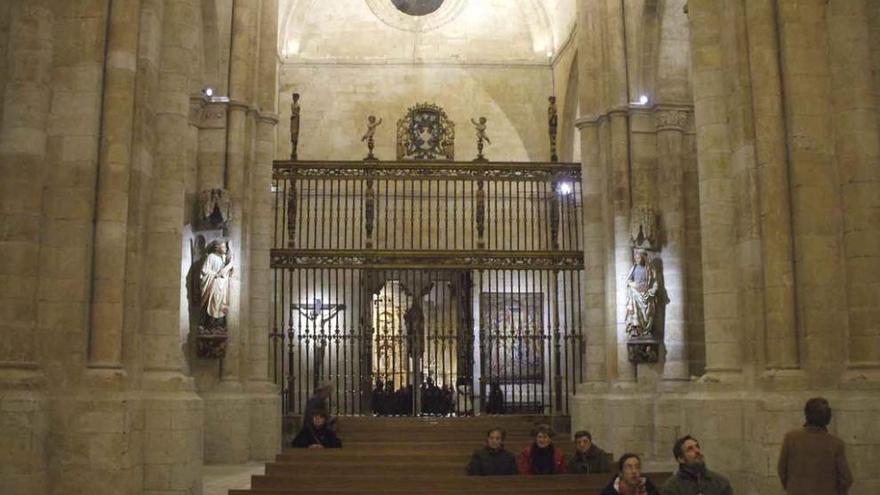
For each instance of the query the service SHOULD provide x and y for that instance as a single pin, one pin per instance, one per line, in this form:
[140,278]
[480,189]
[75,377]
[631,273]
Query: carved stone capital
[677,120]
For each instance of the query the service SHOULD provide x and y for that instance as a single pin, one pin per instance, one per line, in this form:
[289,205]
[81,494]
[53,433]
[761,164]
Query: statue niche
[645,294]
[425,133]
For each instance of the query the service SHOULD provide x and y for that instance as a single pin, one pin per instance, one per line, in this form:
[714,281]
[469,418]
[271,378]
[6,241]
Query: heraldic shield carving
[425,133]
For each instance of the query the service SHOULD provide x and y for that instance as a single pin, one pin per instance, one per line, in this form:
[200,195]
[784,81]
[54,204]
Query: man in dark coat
[588,457]
[693,477]
[316,435]
[629,479]
[493,459]
[812,461]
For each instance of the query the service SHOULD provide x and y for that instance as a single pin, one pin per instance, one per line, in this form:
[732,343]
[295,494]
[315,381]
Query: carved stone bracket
[211,342]
[645,350]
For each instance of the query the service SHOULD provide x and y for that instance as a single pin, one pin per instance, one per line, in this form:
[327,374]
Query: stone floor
[218,479]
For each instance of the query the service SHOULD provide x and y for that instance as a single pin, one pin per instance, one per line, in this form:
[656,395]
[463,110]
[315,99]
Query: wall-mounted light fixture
[210,96]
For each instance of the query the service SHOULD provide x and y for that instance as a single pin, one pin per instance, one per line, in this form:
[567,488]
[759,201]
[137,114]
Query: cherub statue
[372,124]
[480,127]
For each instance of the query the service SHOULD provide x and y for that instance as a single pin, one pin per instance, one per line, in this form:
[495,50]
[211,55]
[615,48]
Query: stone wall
[759,197]
[337,98]
[103,147]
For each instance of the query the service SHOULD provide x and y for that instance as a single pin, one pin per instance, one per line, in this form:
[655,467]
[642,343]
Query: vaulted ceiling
[460,31]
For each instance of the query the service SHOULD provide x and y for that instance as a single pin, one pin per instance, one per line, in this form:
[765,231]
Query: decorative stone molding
[215,209]
[678,120]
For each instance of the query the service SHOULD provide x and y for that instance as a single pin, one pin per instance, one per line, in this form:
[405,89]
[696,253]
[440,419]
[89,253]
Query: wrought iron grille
[428,287]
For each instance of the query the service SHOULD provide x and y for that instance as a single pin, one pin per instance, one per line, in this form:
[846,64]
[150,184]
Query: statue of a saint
[372,124]
[553,124]
[482,137]
[214,284]
[294,126]
[643,292]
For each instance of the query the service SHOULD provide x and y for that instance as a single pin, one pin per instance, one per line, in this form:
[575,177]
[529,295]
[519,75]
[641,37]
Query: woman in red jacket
[541,457]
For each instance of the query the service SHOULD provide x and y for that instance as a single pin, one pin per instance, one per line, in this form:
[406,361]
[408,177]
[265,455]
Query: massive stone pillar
[780,319]
[820,275]
[173,414]
[23,132]
[717,200]
[112,195]
[227,411]
[857,146]
[671,125]
[265,406]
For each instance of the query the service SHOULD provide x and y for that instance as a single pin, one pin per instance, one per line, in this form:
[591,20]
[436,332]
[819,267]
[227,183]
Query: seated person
[588,458]
[316,435]
[629,479]
[493,459]
[542,457]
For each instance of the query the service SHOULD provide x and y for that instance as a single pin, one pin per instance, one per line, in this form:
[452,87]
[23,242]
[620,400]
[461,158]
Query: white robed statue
[643,291]
[214,284]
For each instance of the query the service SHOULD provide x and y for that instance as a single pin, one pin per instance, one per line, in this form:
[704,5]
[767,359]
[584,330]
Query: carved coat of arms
[425,133]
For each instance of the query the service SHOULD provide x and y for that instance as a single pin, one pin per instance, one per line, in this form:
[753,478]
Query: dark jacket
[524,461]
[610,489]
[686,481]
[490,462]
[594,460]
[812,462]
[309,436]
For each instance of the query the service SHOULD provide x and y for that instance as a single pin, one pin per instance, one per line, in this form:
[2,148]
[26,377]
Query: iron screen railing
[428,287]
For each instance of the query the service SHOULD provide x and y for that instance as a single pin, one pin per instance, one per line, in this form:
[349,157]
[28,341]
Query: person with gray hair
[813,461]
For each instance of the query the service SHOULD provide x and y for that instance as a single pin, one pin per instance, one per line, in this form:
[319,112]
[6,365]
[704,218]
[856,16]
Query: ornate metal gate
[428,287]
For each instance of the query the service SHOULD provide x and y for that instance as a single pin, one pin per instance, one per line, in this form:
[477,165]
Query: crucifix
[319,314]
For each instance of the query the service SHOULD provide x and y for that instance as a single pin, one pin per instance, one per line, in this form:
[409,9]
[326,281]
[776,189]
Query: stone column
[617,135]
[23,131]
[265,405]
[780,319]
[595,303]
[114,163]
[671,124]
[594,187]
[173,414]
[857,145]
[228,420]
[717,200]
[820,274]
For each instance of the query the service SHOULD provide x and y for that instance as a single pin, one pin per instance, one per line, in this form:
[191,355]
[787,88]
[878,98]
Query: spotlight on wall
[208,94]
[643,99]
[565,188]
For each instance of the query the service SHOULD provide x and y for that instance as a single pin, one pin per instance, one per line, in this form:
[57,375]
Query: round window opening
[417,7]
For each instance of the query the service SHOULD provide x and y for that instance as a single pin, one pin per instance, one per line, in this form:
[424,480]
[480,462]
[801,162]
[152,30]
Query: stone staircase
[407,455]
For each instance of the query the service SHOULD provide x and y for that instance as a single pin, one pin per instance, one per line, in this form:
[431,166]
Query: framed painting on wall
[512,324]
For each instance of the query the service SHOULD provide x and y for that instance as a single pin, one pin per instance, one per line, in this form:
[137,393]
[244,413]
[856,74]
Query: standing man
[693,477]
[588,457]
[812,461]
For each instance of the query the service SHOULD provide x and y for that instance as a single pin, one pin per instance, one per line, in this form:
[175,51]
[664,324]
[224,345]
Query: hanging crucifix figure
[314,312]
